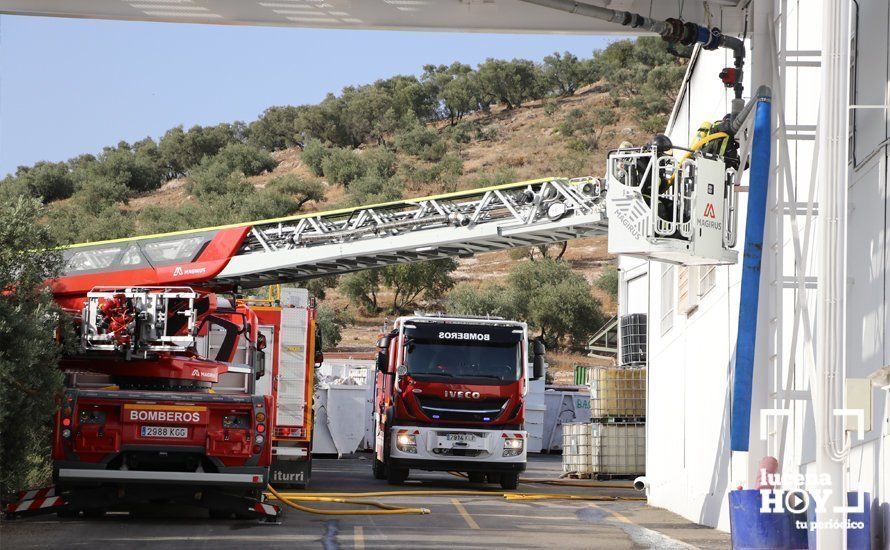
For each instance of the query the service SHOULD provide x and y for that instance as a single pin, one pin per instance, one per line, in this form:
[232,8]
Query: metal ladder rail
[536,212]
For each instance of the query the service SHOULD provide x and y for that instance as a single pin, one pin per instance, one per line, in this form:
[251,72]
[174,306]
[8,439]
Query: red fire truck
[450,396]
[177,393]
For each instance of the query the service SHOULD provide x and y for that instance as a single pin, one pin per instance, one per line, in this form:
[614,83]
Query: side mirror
[538,351]
[381,361]
[259,364]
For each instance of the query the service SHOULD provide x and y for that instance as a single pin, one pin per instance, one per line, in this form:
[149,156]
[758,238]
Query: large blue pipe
[758,182]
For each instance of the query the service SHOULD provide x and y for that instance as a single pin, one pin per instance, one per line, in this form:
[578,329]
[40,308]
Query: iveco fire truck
[450,396]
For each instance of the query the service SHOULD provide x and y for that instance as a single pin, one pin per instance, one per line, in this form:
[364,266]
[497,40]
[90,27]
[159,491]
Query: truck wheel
[396,476]
[509,481]
[67,514]
[378,469]
[476,477]
[216,513]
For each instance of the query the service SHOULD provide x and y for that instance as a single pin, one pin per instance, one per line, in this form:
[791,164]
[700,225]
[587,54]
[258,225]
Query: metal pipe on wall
[831,290]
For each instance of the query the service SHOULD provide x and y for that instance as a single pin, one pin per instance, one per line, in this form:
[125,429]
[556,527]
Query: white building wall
[689,352]
[691,345]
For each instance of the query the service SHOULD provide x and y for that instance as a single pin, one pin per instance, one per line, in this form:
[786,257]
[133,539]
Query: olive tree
[29,378]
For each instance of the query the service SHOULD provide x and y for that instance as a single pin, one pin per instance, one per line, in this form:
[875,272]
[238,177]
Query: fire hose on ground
[385,509]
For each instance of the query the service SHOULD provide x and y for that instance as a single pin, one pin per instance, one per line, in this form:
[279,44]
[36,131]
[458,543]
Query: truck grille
[483,410]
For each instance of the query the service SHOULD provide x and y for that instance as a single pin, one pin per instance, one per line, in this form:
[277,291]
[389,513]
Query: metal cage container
[633,339]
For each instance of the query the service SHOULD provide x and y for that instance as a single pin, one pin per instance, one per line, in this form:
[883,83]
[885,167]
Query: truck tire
[509,481]
[378,468]
[396,476]
[476,477]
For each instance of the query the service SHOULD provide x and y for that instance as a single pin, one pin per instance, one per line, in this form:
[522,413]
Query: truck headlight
[406,442]
[513,446]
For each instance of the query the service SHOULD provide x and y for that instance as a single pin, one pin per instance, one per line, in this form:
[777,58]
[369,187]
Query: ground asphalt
[465,521]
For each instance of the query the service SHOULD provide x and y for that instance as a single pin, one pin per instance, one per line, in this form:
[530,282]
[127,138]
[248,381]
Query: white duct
[831,294]
[831,440]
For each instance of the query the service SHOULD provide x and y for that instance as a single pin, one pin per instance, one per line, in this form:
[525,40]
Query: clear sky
[71,86]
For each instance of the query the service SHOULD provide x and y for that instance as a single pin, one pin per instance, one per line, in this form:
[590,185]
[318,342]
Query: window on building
[687,289]
[707,278]
[667,297]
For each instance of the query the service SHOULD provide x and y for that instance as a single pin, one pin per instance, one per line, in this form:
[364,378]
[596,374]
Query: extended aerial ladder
[254,254]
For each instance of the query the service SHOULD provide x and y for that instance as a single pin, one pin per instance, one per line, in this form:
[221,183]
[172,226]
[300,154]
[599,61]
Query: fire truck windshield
[462,359]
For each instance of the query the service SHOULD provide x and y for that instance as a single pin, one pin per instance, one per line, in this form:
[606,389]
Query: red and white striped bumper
[35,504]
[269,510]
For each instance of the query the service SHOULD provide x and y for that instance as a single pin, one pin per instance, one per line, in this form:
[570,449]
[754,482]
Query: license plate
[466,438]
[164,431]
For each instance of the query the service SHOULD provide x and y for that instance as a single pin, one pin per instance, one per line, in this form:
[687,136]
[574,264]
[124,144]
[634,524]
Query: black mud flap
[290,474]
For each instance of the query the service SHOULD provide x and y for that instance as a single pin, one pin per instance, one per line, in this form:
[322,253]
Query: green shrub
[564,73]
[608,281]
[106,221]
[49,181]
[181,150]
[300,190]
[362,288]
[31,380]
[127,167]
[314,153]
[343,166]
[211,178]
[380,162]
[331,321]
[488,299]
[551,107]
[421,142]
[373,189]
[486,133]
[101,192]
[462,132]
[276,128]
[240,157]
[498,177]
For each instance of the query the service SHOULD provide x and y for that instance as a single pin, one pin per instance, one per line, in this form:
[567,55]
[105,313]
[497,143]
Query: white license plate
[466,438]
[164,431]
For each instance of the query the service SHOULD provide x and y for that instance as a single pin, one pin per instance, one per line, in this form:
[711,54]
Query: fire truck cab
[450,396]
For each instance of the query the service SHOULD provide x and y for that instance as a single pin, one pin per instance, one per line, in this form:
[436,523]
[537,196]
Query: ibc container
[576,448]
[618,392]
[617,449]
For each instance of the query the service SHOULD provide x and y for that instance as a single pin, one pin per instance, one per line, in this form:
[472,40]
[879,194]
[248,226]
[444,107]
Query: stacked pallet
[615,437]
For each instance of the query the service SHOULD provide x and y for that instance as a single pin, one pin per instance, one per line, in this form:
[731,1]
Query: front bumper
[74,476]
[433,449]
[459,465]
